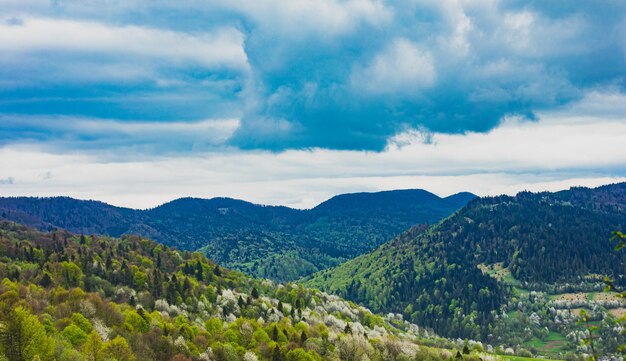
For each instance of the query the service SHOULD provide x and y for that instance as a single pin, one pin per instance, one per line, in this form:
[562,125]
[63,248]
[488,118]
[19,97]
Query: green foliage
[92,347]
[74,334]
[82,322]
[433,276]
[22,337]
[302,355]
[265,241]
[117,349]
[96,311]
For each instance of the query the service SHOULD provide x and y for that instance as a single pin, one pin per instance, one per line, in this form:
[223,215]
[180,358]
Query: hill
[266,241]
[469,275]
[70,297]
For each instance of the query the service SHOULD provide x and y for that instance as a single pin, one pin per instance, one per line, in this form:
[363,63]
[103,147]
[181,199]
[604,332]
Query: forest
[500,277]
[76,297]
[460,276]
[280,243]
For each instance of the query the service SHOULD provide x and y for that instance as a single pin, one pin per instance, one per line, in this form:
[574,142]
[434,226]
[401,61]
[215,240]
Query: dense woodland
[433,275]
[515,272]
[265,241]
[70,297]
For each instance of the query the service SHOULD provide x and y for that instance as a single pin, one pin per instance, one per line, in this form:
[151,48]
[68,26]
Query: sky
[139,102]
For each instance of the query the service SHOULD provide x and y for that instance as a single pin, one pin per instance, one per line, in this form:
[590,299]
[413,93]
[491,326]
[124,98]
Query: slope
[69,297]
[438,277]
[266,241]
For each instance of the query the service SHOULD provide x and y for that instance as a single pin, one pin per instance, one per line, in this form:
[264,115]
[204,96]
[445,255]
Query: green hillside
[460,276]
[265,241]
[67,297]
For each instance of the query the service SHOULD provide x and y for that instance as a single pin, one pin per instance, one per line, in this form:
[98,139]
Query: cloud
[221,48]
[7,180]
[449,67]
[86,68]
[556,151]
[302,74]
[401,69]
[119,139]
[331,17]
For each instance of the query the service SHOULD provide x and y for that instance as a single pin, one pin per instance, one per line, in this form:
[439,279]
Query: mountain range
[508,270]
[265,241]
[461,275]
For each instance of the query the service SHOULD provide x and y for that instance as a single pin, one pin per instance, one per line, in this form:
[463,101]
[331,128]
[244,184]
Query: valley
[503,277]
[69,297]
[515,270]
[265,241]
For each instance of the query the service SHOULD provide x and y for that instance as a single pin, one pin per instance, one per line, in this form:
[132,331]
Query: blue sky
[318,96]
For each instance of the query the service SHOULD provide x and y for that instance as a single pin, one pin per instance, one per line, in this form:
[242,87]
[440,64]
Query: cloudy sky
[138,102]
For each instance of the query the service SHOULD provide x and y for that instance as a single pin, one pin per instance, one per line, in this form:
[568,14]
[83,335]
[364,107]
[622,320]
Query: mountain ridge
[535,241]
[263,240]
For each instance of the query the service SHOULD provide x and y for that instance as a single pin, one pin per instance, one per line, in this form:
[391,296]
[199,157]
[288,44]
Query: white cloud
[221,129]
[220,48]
[402,68]
[555,152]
[531,35]
[303,17]
[120,139]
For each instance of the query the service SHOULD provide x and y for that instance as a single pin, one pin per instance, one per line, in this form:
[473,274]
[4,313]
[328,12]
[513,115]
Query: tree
[74,334]
[277,354]
[301,355]
[117,349]
[71,274]
[620,238]
[22,337]
[92,347]
[275,333]
[46,280]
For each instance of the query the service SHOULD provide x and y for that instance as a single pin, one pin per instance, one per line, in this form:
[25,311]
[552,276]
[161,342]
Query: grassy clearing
[618,312]
[519,358]
[607,296]
[576,311]
[554,343]
[578,296]
[500,273]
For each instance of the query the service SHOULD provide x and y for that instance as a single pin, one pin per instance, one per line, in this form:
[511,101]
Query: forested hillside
[70,297]
[459,275]
[266,241]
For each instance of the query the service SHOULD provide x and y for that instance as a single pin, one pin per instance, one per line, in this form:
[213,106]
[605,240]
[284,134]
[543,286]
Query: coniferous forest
[265,241]
[459,276]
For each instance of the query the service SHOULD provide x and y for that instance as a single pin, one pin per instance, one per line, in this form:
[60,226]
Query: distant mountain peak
[390,198]
[267,241]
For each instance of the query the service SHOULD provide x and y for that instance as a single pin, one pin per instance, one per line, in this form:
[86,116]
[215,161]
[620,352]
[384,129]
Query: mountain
[470,274]
[70,297]
[266,241]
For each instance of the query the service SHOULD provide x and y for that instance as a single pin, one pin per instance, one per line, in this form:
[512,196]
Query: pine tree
[46,281]
[277,354]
